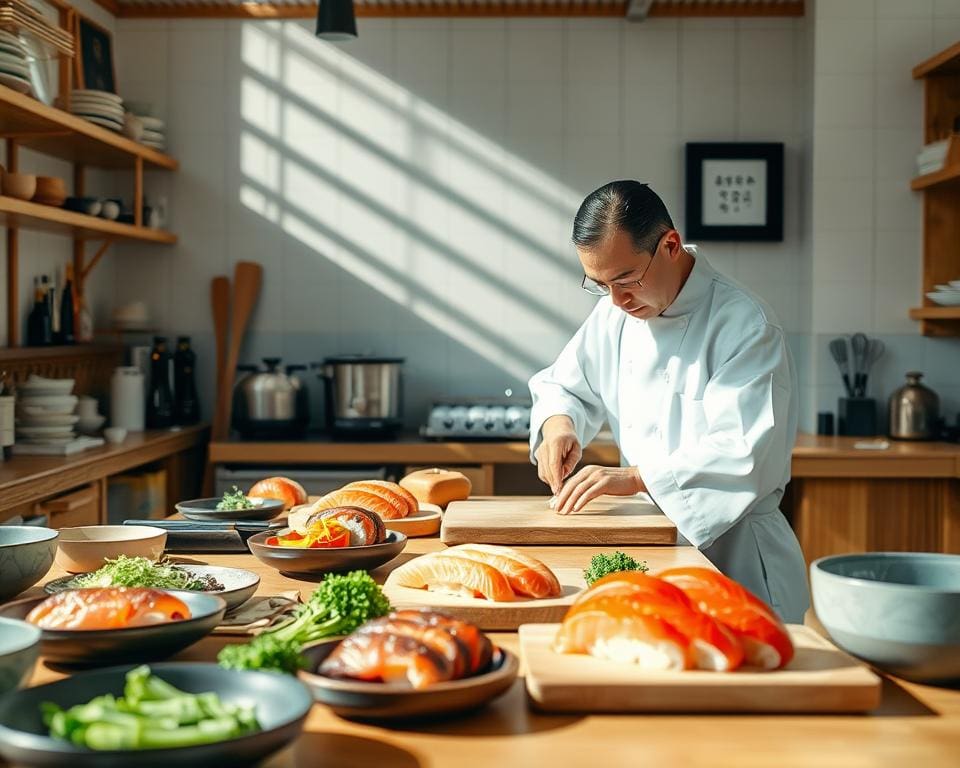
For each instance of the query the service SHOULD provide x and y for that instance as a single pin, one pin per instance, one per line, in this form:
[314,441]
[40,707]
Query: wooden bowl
[51,190]
[22,186]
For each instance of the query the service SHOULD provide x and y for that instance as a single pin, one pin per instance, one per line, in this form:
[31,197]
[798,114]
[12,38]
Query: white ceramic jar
[128,398]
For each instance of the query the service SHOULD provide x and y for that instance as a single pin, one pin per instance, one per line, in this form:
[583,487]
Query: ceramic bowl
[26,554]
[90,424]
[51,190]
[22,186]
[85,548]
[205,510]
[899,611]
[19,650]
[115,435]
[391,701]
[282,705]
[46,404]
[321,561]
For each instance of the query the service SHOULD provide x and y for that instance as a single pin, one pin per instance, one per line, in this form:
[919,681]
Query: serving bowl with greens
[234,585]
[182,714]
[233,505]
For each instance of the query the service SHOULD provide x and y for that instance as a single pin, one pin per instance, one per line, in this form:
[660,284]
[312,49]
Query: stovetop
[478,419]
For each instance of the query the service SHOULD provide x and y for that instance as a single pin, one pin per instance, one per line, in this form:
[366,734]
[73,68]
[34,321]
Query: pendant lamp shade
[335,20]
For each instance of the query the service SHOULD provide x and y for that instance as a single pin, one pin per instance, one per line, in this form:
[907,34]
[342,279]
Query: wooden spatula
[247,278]
[220,303]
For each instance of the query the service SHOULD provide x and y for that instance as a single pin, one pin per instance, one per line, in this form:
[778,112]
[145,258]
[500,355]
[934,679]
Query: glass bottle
[159,399]
[67,335]
[186,408]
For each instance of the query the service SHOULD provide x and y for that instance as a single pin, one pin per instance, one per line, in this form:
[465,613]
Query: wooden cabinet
[84,506]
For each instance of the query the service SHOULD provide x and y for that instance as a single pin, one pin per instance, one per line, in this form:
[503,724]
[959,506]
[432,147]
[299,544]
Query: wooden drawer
[79,507]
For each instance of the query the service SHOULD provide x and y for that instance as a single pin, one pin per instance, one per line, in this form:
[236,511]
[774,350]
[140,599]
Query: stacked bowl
[154,132]
[45,411]
[99,107]
[946,294]
[14,68]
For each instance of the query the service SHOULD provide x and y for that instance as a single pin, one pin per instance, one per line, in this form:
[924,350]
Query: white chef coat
[702,400]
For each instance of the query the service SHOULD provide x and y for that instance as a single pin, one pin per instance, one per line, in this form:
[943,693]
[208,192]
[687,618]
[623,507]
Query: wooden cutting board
[820,678]
[513,520]
[491,616]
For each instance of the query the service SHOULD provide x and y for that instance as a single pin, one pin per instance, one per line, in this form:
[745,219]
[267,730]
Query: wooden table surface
[915,726]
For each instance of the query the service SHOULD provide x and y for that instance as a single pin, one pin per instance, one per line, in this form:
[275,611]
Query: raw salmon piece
[108,608]
[389,658]
[402,500]
[453,575]
[478,644]
[351,497]
[527,575]
[611,628]
[765,639]
[435,637]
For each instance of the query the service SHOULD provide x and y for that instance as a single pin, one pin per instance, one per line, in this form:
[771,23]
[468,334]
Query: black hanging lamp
[336,20]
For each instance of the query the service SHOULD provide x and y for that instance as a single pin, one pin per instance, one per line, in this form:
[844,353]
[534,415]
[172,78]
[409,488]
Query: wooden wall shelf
[46,218]
[947,62]
[54,132]
[935,313]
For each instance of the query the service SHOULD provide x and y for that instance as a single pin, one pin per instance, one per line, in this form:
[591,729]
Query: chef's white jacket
[702,400]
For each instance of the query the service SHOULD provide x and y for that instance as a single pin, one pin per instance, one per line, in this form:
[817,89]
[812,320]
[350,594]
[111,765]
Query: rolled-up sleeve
[707,482]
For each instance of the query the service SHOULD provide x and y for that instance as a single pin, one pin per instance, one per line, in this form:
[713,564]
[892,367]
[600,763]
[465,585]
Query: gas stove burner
[485,420]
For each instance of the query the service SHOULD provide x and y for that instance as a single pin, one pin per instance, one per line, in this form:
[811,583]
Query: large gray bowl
[900,611]
[19,649]
[26,554]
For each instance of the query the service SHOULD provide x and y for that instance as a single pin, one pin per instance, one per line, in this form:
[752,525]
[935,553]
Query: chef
[693,375]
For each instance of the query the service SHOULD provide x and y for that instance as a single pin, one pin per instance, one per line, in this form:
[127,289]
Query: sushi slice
[387,657]
[478,645]
[765,639]
[365,527]
[455,575]
[108,608]
[527,575]
[435,637]
[712,646]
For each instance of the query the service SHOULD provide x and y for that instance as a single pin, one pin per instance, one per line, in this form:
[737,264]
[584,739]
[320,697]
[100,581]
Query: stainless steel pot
[363,394]
[914,411]
[271,403]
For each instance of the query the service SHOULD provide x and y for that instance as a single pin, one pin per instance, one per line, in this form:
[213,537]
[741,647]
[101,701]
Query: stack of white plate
[154,132]
[45,411]
[14,69]
[100,107]
[946,294]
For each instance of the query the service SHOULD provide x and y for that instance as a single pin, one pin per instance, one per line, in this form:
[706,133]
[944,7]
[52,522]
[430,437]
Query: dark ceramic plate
[238,585]
[282,706]
[317,561]
[391,701]
[206,509]
[94,647]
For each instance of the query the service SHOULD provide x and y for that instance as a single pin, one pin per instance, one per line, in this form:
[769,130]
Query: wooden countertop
[28,478]
[916,725]
[813,455]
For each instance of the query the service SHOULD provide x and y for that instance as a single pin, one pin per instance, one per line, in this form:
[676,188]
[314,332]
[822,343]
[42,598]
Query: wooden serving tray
[425,523]
[820,678]
[490,615]
[519,520]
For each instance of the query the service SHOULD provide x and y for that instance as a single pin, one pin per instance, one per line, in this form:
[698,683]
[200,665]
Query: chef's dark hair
[627,205]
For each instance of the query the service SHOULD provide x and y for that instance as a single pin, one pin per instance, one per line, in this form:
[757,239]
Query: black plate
[239,584]
[109,646]
[316,561]
[282,706]
[206,509]
[392,701]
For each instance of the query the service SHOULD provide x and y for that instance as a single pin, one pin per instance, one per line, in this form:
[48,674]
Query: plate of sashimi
[688,639]
[495,587]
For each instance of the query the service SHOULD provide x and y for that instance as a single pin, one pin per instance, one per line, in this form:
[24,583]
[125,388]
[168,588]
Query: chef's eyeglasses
[602,289]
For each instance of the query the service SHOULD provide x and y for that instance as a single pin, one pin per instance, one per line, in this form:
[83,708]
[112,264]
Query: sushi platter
[820,678]
[524,520]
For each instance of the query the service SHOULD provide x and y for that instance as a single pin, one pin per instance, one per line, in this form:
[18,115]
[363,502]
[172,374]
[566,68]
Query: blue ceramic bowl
[26,554]
[899,611]
[19,649]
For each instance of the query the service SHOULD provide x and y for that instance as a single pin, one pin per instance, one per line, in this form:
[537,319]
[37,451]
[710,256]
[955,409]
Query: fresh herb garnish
[236,499]
[602,564]
[142,572]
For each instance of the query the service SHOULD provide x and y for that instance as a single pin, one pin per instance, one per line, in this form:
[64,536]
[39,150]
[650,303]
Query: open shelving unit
[941,190]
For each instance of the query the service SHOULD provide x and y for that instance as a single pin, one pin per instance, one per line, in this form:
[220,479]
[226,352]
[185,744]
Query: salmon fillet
[387,657]
[478,644]
[452,574]
[108,608]
[527,575]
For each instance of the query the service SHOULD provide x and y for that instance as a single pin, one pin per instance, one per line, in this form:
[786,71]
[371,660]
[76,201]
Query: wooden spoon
[247,278]
[220,302]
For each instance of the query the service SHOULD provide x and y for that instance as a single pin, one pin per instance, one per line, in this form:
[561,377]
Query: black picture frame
[94,62]
[707,218]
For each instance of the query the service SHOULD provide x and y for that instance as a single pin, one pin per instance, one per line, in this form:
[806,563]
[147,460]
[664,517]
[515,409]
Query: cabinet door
[79,507]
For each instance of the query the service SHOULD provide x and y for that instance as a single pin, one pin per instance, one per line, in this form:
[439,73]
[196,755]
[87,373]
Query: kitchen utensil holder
[857,416]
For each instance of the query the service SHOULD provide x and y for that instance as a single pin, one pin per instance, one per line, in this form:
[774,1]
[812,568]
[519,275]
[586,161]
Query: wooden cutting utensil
[247,279]
[220,303]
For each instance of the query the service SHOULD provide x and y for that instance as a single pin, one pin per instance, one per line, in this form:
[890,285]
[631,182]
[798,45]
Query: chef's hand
[593,481]
[559,451]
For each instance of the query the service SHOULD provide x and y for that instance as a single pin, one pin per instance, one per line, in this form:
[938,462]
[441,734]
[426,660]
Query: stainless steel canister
[914,410]
[363,394]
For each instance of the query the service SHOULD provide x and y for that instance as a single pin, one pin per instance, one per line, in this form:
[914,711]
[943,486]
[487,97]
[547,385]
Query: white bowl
[90,424]
[955,284]
[115,435]
[944,299]
[39,386]
[47,420]
[85,548]
[44,404]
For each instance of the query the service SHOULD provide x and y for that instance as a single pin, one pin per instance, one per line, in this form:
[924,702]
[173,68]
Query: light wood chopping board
[490,615]
[820,678]
[518,520]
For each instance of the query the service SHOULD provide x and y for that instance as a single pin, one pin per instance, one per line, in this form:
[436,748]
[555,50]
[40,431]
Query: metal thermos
[914,410]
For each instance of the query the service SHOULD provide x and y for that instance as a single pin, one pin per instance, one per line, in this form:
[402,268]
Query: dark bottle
[67,335]
[160,399]
[186,408]
[39,328]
